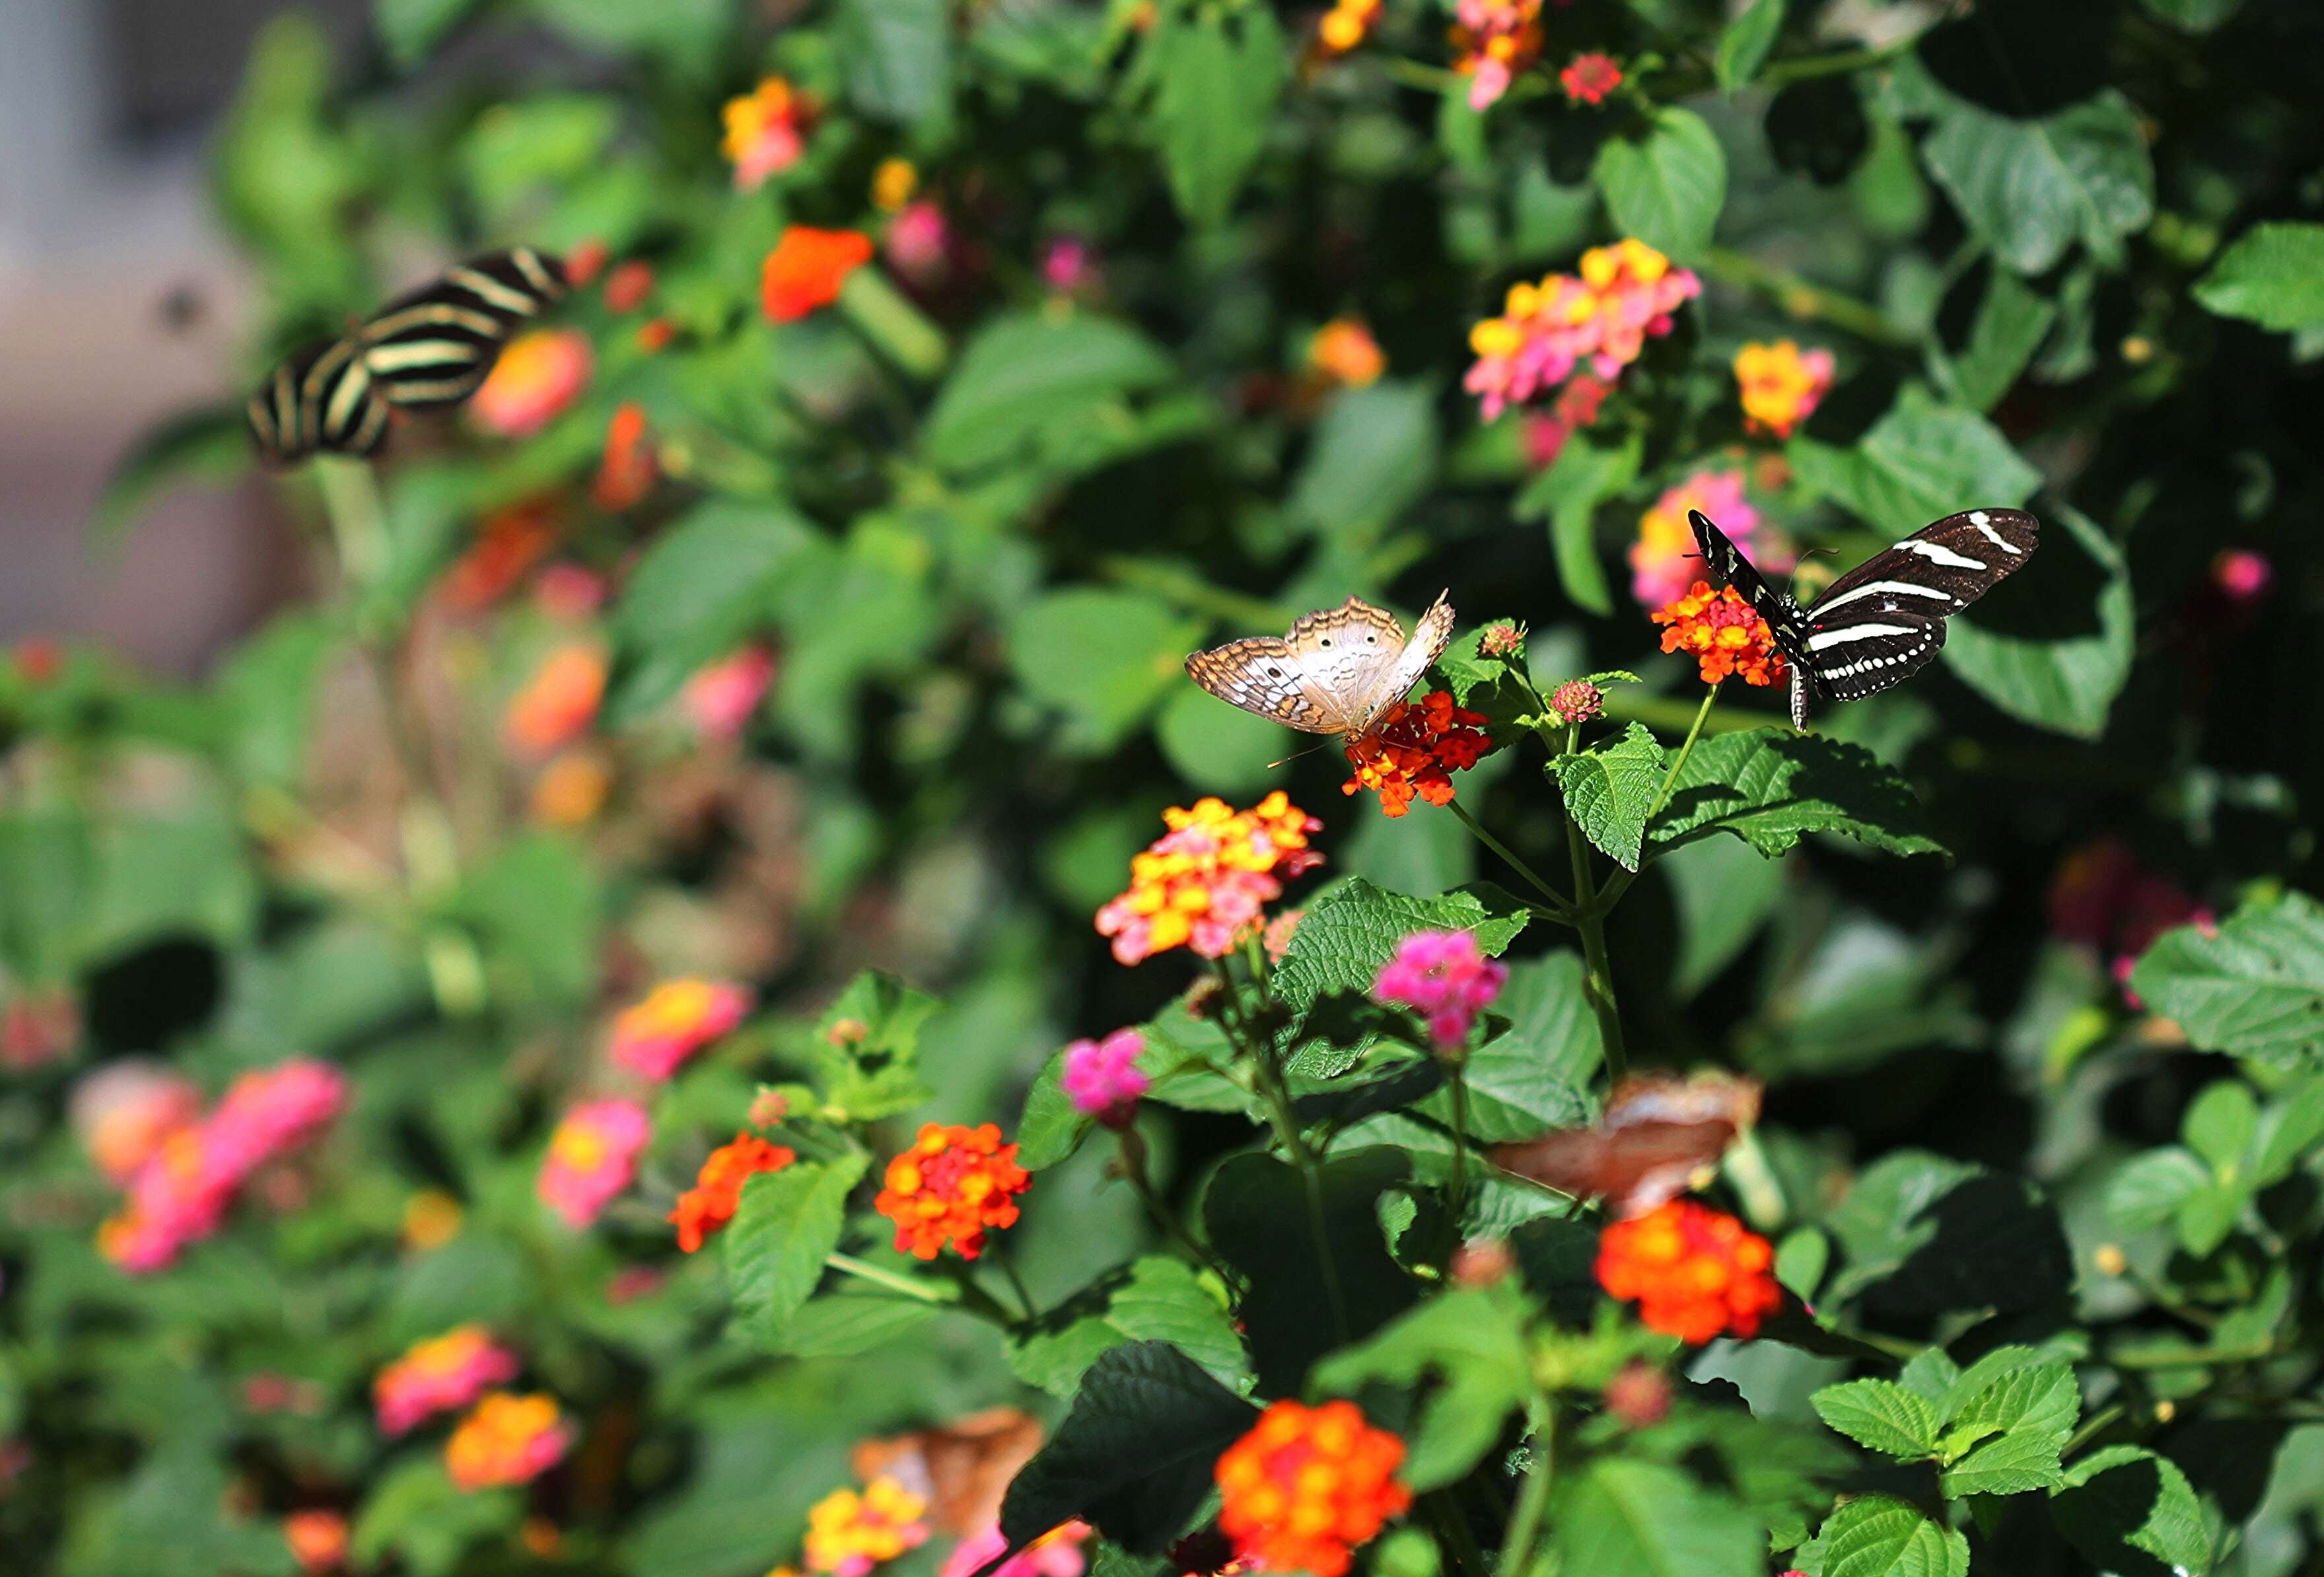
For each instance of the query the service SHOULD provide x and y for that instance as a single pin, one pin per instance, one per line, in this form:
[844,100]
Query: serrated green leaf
[1744,43]
[1921,1233]
[2014,1390]
[1873,1535]
[1922,460]
[2255,987]
[1475,1341]
[1881,1415]
[1351,927]
[788,1224]
[1150,1299]
[2273,276]
[1619,1516]
[2221,1122]
[866,1049]
[1052,1129]
[1771,787]
[1133,1457]
[1534,1075]
[2147,1191]
[2010,1465]
[1608,789]
[2031,189]
[2131,1511]
[1667,188]
[843,1324]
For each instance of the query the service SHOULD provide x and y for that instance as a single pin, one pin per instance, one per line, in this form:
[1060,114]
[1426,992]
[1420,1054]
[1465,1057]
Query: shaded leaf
[1667,188]
[2031,189]
[1922,460]
[1475,1342]
[1153,1298]
[2254,988]
[787,1225]
[1608,789]
[1771,787]
[1744,43]
[2131,1511]
[1219,75]
[1619,1516]
[2066,682]
[2273,276]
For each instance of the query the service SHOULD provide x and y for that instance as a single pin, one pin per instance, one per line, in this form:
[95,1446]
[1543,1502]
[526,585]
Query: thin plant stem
[2095,1425]
[1802,297]
[1133,1168]
[1452,1528]
[1456,1187]
[909,1286]
[2190,1357]
[1620,882]
[1533,1501]
[1017,1285]
[1557,900]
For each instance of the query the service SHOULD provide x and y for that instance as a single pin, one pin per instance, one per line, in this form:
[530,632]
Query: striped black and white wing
[1885,620]
[1728,567]
[321,399]
[435,344]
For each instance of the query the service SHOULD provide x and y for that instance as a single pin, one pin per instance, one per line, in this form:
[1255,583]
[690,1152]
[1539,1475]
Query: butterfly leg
[1800,694]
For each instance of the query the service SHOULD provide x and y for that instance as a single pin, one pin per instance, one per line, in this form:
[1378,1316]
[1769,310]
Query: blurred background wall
[120,305]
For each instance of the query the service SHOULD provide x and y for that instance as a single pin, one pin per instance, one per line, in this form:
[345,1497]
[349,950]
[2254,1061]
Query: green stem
[1533,1501]
[1133,1167]
[1620,883]
[1452,1530]
[886,317]
[358,526]
[1415,74]
[2190,1357]
[910,1287]
[1017,1284]
[1803,298]
[1456,1188]
[1557,900]
[1782,73]
[2095,1425]
[1175,582]
[1598,984]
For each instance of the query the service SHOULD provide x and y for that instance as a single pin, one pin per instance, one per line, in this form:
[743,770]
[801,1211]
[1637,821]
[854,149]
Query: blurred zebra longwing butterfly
[1883,621]
[430,348]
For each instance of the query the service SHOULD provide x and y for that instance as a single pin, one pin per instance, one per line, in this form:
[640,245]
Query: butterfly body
[432,347]
[1883,620]
[1336,670]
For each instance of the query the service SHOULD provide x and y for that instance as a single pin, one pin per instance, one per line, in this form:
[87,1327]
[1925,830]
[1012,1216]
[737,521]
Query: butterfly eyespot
[1326,640]
[1371,640]
[1275,673]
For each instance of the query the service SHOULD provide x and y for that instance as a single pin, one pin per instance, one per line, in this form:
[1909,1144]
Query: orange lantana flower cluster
[1781,384]
[1343,26]
[1416,751]
[509,1439]
[849,1532]
[953,1185]
[1723,632]
[717,1190]
[1695,1273]
[1204,881]
[806,268]
[1307,1485]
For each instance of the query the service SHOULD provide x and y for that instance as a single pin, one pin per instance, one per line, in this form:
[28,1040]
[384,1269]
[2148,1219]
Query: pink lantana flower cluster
[1600,317]
[1055,1554]
[184,1186]
[1445,977]
[1665,560]
[441,1375]
[677,1019]
[1495,40]
[592,1158]
[1102,1077]
[721,696]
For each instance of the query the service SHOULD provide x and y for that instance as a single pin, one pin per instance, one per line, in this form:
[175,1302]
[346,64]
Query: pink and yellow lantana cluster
[181,1189]
[766,131]
[441,1375]
[677,1020]
[1493,41]
[1666,560]
[509,1439]
[592,1157]
[1201,884]
[1598,317]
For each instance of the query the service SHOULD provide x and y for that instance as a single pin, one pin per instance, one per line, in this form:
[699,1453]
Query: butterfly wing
[1265,675]
[1885,620]
[1392,684]
[434,345]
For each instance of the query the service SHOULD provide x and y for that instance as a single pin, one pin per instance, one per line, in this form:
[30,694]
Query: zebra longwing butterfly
[430,348]
[1885,620]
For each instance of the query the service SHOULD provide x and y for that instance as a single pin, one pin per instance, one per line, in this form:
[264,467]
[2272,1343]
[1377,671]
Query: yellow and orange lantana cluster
[717,1190]
[1781,385]
[1723,632]
[955,1185]
[1597,320]
[1695,1273]
[1206,880]
[1307,1485]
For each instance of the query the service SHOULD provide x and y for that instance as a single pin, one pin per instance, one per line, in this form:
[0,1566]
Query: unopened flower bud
[1638,1395]
[2109,1260]
[1577,700]
[1480,1262]
[1504,640]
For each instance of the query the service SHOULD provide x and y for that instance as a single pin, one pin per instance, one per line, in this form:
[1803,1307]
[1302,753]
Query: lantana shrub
[713,999]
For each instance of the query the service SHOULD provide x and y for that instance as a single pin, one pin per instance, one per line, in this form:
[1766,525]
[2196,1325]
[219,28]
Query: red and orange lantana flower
[806,268]
[954,1184]
[1416,751]
[717,1190]
[1695,1273]
[1723,632]
[1307,1485]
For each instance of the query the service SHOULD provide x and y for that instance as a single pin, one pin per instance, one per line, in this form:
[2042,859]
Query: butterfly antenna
[1293,756]
[1791,587]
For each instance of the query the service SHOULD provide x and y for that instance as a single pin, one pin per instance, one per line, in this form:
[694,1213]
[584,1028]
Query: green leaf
[2288,1128]
[1029,382]
[1873,1535]
[704,586]
[1882,1416]
[1724,893]
[2131,1511]
[2015,1391]
[414,1510]
[1535,1074]
[1103,660]
[1922,460]
[2221,1122]
[1668,188]
[896,55]
[2066,680]
[1307,1297]
[2010,1465]
[1619,1516]
[1609,788]
[2012,321]
[1221,749]
[1052,1129]
[848,1325]
[1744,44]
[1372,457]
[788,1224]
[1770,787]
[1150,1299]
[210,446]
[2273,276]
[2254,988]
[866,1050]
[1351,927]
[2194,16]
[1922,1234]
[2149,1189]
[1218,76]
[2031,189]
[1475,1342]
[412,28]
[1586,472]
[1134,1456]
[537,905]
